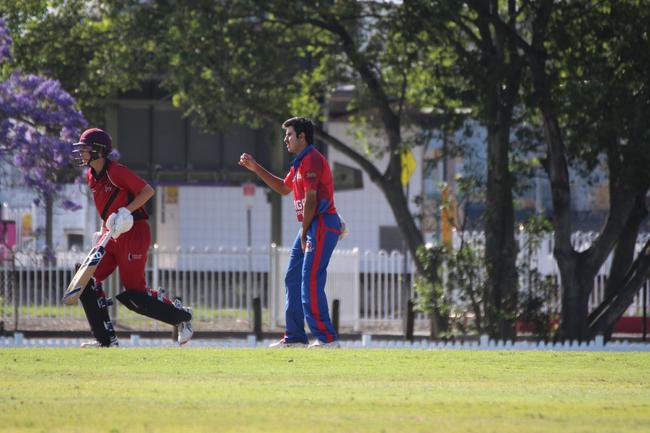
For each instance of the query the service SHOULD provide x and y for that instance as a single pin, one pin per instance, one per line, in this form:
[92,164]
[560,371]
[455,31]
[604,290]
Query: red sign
[248,189]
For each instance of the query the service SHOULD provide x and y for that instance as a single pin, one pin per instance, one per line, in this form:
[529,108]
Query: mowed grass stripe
[221,390]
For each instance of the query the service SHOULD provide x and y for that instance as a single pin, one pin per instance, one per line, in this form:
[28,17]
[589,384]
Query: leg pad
[150,306]
[95,306]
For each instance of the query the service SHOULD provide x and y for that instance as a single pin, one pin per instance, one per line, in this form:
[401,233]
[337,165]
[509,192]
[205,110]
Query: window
[390,238]
[346,177]
[75,241]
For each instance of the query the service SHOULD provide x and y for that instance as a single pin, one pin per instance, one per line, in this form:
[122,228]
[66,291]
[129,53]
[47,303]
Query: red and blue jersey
[115,186]
[310,170]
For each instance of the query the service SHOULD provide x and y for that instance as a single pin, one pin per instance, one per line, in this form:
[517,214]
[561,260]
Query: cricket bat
[86,270]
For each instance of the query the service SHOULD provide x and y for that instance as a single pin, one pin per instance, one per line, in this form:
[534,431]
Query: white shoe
[95,343]
[185,330]
[321,345]
[280,344]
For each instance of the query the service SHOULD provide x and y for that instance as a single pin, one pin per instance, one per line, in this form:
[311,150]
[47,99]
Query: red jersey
[115,187]
[310,170]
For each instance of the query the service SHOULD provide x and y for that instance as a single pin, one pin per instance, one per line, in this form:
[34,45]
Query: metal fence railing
[221,283]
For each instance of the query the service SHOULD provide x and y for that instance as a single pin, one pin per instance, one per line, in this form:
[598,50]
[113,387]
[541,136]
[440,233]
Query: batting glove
[119,222]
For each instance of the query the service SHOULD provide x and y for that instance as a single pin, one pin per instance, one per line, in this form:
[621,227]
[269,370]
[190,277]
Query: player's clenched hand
[246,160]
[119,222]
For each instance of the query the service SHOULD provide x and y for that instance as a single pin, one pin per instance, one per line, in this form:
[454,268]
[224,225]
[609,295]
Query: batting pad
[143,303]
[96,307]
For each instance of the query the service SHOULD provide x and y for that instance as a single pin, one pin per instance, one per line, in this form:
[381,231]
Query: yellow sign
[408,166]
[171,195]
[26,223]
[447,216]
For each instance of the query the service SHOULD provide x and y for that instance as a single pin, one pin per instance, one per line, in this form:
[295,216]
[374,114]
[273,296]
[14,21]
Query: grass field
[298,390]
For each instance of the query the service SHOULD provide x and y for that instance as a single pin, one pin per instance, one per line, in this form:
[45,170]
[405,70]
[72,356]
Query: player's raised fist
[246,160]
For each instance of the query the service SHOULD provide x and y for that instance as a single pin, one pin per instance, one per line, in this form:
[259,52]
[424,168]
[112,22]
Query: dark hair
[301,124]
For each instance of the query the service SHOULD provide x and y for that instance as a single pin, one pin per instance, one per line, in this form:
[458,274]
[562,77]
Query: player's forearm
[274,182]
[309,209]
[143,197]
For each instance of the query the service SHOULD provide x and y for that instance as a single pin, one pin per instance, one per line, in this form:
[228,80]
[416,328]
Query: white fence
[220,285]
[541,258]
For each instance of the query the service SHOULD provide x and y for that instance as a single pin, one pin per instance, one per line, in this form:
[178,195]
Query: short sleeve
[125,179]
[288,180]
[311,169]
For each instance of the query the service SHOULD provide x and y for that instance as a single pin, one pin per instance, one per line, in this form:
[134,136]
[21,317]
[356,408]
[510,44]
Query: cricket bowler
[310,180]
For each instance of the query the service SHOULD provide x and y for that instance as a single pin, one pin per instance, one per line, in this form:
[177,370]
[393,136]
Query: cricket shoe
[321,345]
[185,330]
[281,344]
[95,343]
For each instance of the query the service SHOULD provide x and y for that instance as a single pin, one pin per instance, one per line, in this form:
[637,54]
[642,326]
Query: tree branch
[615,305]
[372,171]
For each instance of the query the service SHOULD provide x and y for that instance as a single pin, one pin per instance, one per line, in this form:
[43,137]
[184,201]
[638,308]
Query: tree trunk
[574,301]
[395,195]
[503,69]
[49,221]
[623,255]
[619,302]
[577,284]
[500,246]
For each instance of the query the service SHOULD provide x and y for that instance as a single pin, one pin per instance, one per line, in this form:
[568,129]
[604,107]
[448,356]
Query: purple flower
[70,205]
[5,42]
[38,121]
[19,160]
[114,155]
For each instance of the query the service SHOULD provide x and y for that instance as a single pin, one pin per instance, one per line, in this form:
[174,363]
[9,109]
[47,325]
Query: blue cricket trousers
[305,281]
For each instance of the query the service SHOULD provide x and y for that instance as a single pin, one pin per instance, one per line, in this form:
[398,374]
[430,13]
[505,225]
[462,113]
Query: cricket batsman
[119,197]
[310,180]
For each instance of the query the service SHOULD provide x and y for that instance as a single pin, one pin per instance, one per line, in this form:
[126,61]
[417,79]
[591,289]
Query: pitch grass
[300,390]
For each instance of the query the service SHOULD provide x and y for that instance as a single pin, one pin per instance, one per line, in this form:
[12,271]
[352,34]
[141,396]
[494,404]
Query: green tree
[589,83]
[492,70]
[94,48]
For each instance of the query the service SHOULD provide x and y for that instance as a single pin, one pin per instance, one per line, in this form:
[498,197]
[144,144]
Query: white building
[217,216]
[71,228]
[188,215]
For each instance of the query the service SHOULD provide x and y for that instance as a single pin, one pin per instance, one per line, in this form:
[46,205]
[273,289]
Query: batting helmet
[94,140]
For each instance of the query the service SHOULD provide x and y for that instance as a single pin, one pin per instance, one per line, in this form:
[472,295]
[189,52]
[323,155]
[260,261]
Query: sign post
[248,190]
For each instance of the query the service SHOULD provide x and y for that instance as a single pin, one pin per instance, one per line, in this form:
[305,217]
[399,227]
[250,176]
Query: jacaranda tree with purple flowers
[38,122]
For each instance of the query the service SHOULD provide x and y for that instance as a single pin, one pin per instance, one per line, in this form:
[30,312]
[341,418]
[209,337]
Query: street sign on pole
[248,190]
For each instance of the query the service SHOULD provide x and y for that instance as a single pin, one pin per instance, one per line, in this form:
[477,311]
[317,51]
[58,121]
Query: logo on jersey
[131,257]
[108,188]
[308,246]
[311,174]
[299,205]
